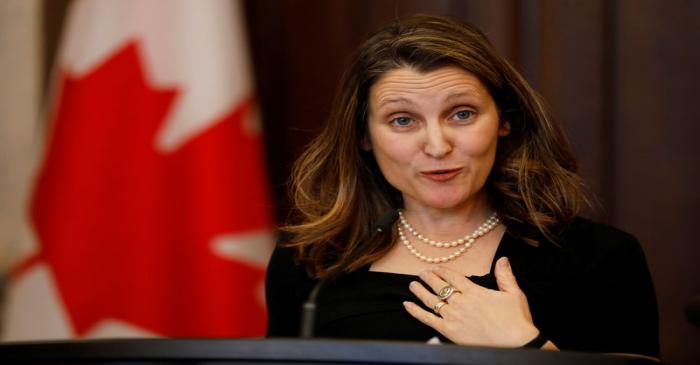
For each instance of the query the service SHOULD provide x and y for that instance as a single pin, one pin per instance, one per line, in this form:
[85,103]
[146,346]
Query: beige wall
[20,105]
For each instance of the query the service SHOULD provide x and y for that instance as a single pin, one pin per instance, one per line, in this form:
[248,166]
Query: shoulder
[285,272]
[597,250]
[617,286]
[582,230]
[594,291]
[587,237]
[585,250]
[282,254]
[283,266]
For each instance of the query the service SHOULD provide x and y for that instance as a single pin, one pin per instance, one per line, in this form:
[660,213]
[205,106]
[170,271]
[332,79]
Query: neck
[448,224]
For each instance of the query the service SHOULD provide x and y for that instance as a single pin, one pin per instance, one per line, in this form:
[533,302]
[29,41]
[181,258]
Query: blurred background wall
[20,106]
[620,76]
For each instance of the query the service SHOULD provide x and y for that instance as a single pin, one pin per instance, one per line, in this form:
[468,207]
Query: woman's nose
[438,143]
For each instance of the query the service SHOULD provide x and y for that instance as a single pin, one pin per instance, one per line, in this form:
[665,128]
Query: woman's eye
[401,121]
[463,114]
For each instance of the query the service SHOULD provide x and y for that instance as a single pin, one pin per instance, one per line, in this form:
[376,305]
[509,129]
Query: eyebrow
[454,95]
[398,100]
[459,94]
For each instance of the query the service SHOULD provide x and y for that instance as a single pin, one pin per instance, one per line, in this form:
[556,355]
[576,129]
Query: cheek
[483,141]
[479,147]
[393,156]
[481,155]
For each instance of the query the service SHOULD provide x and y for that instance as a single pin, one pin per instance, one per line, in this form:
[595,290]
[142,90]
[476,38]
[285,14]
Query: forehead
[406,83]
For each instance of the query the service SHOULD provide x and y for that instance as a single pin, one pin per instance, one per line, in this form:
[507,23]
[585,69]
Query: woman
[488,249]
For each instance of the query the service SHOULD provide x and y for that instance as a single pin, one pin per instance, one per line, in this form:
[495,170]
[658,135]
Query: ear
[366,144]
[504,129]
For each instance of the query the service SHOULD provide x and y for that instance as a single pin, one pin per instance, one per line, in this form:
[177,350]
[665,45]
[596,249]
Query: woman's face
[434,135]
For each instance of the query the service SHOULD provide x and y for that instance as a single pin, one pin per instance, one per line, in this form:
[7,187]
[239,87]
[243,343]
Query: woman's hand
[475,315]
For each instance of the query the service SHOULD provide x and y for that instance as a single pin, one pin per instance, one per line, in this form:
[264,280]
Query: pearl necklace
[485,228]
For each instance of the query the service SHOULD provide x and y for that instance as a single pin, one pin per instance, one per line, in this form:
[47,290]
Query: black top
[593,294]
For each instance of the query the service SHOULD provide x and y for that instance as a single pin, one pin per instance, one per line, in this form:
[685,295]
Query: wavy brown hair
[339,193]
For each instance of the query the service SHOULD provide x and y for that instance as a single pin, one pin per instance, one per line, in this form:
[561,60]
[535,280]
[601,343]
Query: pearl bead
[482,230]
[465,242]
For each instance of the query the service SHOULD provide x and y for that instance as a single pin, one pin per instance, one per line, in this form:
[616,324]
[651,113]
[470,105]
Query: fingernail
[504,263]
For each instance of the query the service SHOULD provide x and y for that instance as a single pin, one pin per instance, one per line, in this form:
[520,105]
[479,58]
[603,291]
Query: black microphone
[308,315]
[692,311]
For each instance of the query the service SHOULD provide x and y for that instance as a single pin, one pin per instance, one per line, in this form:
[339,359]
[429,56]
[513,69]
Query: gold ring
[438,306]
[446,292]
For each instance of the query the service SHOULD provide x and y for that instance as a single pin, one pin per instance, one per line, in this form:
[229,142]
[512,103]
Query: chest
[476,260]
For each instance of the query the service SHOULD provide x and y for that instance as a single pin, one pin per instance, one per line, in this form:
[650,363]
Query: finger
[454,278]
[428,298]
[434,281]
[424,316]
[504,277]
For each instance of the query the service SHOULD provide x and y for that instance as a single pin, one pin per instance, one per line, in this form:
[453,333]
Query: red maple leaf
[126,230]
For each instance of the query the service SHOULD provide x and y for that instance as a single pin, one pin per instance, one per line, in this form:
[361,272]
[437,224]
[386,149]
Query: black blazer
[594,293]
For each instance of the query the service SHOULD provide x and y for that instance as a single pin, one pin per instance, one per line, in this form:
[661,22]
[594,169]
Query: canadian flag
[149,214]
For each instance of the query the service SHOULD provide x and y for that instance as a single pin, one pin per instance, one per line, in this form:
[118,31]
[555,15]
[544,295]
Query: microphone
[308,316]
[692,311]
[386,221]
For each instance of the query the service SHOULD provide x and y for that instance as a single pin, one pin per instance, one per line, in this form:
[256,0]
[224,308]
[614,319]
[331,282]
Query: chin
[449,199]
[443,202]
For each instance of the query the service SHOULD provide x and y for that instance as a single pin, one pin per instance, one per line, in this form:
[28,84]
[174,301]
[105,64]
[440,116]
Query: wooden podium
[285,351]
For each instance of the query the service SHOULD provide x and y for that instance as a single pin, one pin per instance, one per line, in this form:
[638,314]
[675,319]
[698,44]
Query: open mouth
[441,175]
